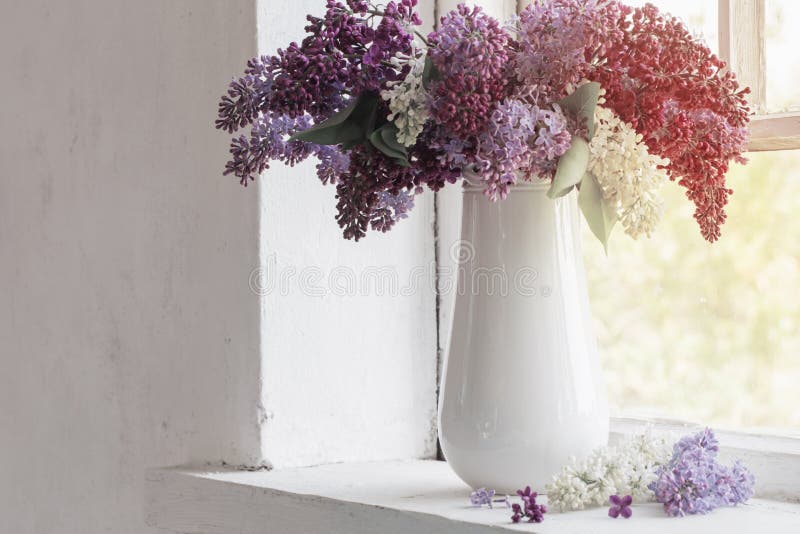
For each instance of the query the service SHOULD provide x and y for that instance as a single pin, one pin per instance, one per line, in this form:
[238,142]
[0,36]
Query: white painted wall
[129,337]
[348,377]
[127,329]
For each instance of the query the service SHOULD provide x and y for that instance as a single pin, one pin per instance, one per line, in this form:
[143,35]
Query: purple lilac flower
[520,138]
[471,51]
[332,163]
[246,96]
[558,39]
[534,512]
[268,142]
[481,496]
[620,506]
[693,482]
[392,36]
[359,192]
[704,442]
[390,209]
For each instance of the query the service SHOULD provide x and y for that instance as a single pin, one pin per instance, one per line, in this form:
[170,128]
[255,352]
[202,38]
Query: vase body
[522,388]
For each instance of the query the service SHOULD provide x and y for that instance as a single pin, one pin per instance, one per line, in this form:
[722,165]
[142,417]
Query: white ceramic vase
[522,389]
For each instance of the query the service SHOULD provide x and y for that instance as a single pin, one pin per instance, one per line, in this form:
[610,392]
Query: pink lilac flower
[620,506]
[529,508]
[693,482]
[471,51]
[558,41]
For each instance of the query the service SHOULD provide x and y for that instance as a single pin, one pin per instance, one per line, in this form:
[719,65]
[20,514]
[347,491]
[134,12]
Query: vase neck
[474,184]
[538,186]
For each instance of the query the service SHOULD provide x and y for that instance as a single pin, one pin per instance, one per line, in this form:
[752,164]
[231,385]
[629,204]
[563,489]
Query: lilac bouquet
[585,94]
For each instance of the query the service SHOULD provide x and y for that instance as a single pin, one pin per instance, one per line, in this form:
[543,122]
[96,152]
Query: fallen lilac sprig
[482,496]
[693,482]
[534,512]
[620,506]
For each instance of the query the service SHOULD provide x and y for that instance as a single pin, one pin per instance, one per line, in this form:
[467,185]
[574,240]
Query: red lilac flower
[471,52]
[620,506]
[687,106]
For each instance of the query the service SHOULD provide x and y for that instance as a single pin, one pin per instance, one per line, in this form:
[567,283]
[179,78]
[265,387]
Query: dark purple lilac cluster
[693,482]
[529,508]
[346,53]
[373,193]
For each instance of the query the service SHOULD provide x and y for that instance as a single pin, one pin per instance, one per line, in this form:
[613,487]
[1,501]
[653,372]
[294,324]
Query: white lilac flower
[629,175]
[408,100]
[626,469]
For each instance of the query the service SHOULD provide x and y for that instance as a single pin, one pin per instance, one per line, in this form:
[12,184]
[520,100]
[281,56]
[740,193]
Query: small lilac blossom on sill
[481,496]
[693,482]
[620,506]
[529,508]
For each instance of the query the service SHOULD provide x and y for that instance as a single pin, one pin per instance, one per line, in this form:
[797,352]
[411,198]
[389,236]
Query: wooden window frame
[742,44]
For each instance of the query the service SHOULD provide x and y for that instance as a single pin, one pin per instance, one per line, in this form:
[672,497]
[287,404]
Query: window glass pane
[700,16]
[783,55]
[707,332]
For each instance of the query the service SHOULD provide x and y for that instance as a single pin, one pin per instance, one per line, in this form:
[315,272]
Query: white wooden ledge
[420,496]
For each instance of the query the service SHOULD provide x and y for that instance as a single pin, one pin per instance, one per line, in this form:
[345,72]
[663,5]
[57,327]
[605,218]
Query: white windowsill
[414,496]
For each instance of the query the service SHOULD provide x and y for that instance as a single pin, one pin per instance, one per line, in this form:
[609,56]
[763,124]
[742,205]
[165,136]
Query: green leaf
[385,140]
[429,73]
[571,168]
[599,214]
[348,126]
[582,103]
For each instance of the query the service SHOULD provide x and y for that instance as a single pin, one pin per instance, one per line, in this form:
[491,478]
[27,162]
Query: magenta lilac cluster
[620,506]
[694,482]
[529,508]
